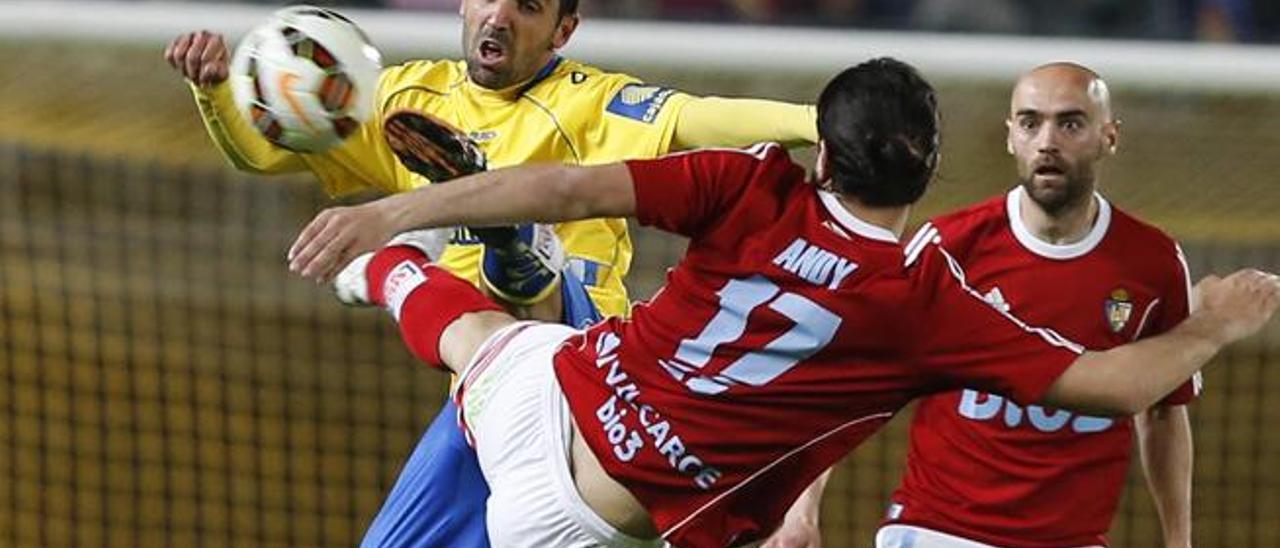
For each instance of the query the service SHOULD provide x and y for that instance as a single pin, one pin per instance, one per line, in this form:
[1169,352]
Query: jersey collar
[1013,207]
[513,92]
[542,74]
[851,222]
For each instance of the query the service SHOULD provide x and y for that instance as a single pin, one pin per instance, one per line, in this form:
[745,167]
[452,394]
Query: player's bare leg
[445,322]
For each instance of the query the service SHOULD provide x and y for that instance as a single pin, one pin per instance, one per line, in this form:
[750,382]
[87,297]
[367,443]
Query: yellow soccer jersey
[569,113]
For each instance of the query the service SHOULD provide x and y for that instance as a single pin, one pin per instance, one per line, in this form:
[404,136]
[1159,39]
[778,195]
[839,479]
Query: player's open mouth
[1048,171]
[492,52]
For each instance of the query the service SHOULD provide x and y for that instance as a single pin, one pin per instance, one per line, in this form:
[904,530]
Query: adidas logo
[996,299]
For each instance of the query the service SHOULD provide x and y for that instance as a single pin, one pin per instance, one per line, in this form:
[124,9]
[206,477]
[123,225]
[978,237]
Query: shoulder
[427,75]
[1138,239]
[1131,228]
[577,85]
[1149,251]
[961,229]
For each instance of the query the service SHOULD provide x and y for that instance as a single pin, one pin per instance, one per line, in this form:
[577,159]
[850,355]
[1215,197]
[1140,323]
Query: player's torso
[760,362]
[555,119]
[981,465]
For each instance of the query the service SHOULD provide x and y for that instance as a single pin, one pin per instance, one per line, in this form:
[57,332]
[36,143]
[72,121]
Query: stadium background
[164,383]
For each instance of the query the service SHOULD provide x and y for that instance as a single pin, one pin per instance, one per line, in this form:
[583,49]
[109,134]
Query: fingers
[213,61]
[311,241]
[202,57]
[177,49]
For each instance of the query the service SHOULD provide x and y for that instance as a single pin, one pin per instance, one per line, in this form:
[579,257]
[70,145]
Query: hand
[336,236]
[795,533]
[199,56]
[1237,306]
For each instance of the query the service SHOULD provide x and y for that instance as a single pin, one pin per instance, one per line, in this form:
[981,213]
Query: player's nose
[501,14]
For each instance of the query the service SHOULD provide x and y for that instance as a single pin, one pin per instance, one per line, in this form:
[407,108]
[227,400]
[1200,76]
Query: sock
[423,298]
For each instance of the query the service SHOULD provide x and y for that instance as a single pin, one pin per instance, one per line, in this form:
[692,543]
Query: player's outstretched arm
[547,193]
[203,59]
[1128,379]
[706,122]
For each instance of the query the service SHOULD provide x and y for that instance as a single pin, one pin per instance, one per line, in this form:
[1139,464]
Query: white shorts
[911,536]
[518,419]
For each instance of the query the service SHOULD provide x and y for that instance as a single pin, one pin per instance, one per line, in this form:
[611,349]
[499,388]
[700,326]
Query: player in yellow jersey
[521,102]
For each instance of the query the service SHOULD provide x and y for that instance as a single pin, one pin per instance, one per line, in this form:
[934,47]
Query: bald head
[1066,79]
[1060,127]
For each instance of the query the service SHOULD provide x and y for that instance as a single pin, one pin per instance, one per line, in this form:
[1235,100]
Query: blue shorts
[439,498]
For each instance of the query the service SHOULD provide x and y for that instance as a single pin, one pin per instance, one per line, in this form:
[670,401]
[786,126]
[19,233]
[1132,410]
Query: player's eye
[1028,123]
[531,7]
[1072,125]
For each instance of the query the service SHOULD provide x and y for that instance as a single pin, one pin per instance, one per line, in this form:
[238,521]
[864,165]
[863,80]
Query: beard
[1055,198]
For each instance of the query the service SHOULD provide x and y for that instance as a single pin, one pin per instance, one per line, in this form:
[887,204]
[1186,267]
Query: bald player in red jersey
[1053,252]
[793,328]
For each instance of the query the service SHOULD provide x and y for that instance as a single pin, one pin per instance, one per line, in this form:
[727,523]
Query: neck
[1067,226]
[892,218]
[510,90]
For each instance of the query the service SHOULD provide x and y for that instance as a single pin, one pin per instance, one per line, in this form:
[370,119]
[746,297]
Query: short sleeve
[1175,307]
[686,193]
[966,342]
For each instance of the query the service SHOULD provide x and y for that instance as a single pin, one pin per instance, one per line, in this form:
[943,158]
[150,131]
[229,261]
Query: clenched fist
[200,56]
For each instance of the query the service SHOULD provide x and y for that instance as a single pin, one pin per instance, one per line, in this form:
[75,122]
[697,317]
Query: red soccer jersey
[790,332]
[984,468]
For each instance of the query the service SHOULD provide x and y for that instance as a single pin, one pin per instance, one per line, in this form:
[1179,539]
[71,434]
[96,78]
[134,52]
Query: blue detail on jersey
[439,498]
[542,74]
[579,311]
[640,102]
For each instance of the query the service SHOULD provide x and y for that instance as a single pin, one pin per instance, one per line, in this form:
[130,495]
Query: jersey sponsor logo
[483,136]
[653,428]
[577,77]
[1118,308]
[980,406]
[814,264]
[640,102]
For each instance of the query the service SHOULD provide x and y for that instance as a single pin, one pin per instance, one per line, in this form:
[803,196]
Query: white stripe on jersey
[757,151]
[884,415]
[1050,336]
[1197,380]
[1186,275]
[1142,323]
[926,235]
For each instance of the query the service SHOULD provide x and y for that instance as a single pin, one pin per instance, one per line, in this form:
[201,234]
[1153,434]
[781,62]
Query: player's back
[781,340]
[989,469]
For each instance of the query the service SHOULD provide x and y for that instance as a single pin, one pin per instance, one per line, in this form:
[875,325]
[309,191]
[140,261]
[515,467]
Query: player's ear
[564,30]
[1008,139]
[821,170]
[1111,135]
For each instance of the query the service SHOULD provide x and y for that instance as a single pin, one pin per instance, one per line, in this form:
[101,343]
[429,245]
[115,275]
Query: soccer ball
[306,78]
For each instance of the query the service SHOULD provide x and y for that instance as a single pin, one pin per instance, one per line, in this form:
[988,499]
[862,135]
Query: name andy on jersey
[628,442]
[815,264]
